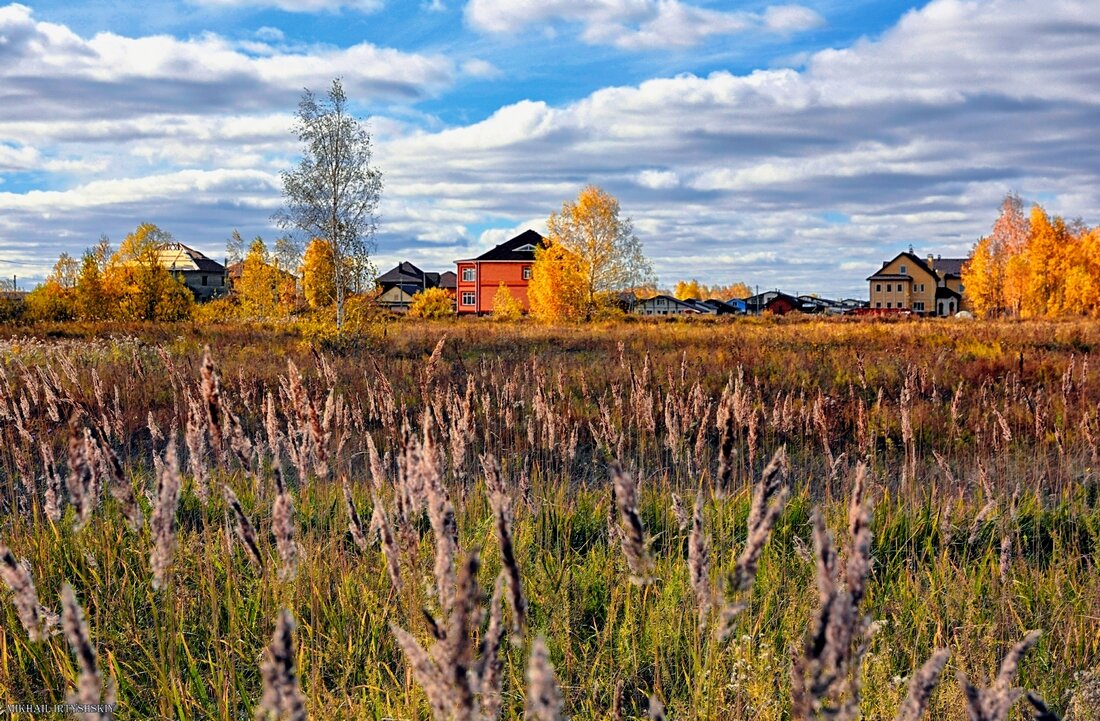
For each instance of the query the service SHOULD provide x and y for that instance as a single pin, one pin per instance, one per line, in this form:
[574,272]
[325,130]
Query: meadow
[761,519]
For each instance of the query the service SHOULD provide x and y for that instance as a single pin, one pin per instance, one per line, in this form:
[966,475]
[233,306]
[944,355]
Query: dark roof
[889,276]
[401,274]
[510,249]
[448,280]
[676,301]
[950,266]
[944,292]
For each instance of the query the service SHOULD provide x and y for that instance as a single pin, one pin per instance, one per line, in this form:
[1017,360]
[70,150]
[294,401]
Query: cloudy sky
[790,145]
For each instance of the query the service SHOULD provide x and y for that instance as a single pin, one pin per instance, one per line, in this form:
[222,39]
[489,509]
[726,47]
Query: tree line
[1034,266]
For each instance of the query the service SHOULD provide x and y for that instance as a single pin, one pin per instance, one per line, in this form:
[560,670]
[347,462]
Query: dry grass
[547,464]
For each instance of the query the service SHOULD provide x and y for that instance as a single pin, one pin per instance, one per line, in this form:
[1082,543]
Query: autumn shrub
[506,307]
[217,311]
[49,302]
[432,303]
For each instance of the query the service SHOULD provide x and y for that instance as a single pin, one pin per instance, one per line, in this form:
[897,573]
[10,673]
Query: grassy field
[977,445]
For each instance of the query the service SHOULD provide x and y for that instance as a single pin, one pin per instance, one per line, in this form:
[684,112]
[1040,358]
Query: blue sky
[780,144]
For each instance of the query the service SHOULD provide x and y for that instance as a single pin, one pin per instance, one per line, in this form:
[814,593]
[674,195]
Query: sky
[782,145]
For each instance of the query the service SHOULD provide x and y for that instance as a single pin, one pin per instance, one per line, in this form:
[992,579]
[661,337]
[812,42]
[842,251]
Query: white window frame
[527,272]
[469,275]
[469,297]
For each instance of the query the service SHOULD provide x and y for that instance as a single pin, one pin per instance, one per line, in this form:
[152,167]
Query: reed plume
[994,703]
[19,581]
[441,514]
[79,480]
[53,497]
[282,527]
[243,527]
[544,700]
[768,499]
[656,709]
[490,666]
[633,533]
[699,563]
[447,674]
[501,503]
[282,694]
[212,401]
[825,675]
[119,486]
[680,513]
[922,684]
[89,688]
[380,522]
[163,521]
[1041,712]
[355,523]
[427,674]
[195,438]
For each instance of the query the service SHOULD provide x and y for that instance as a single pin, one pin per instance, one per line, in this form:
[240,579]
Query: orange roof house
[509,263]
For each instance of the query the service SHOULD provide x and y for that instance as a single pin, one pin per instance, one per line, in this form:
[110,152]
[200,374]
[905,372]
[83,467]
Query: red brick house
[509,263]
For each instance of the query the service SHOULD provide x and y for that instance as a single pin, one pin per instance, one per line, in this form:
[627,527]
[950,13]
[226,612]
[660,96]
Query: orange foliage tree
[1033,267]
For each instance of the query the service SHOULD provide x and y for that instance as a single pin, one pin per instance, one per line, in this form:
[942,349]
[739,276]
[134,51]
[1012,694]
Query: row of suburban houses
[907,284]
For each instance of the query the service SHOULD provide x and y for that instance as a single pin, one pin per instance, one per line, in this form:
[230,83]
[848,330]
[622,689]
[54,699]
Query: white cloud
[434,6]
[791,18]
[480,69]
[658,179]
[47,71]
[636,24]
[270,34]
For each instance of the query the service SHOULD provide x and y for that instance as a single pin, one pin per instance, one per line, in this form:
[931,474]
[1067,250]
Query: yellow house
[931,286]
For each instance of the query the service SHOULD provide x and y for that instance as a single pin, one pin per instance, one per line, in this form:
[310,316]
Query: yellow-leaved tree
[505,305]
[701,291]
[260,285]
[556,292]
[608,255]
[1046,244]
[318,274]
[95,299]
[983,280]
[1082,293]
[1035,266]
[144,288]
[689,289]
